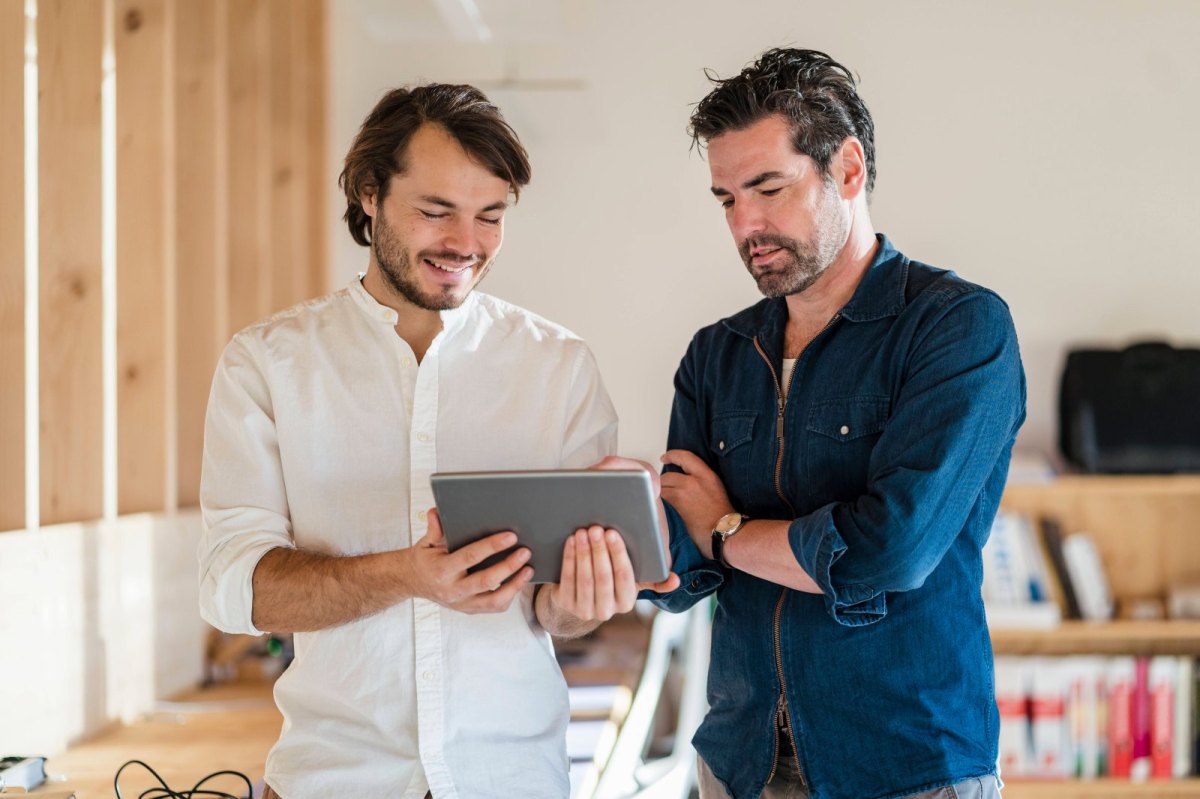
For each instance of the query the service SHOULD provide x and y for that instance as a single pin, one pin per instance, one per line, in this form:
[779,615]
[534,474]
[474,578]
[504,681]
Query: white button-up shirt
[322,433]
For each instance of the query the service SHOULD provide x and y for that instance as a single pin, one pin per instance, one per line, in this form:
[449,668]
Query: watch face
[728,522]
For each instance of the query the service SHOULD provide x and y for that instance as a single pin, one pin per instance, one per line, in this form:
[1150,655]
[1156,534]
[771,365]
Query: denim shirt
[888,457]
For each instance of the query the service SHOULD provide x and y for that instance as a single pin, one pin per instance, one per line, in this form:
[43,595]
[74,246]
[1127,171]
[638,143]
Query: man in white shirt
[411,677]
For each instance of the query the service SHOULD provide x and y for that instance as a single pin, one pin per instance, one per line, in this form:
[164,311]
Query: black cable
[166,792]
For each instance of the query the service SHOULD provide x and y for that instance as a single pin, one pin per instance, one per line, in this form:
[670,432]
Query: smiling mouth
[448,268]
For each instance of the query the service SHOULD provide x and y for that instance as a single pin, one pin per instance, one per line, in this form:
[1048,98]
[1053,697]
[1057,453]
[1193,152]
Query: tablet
[545,507]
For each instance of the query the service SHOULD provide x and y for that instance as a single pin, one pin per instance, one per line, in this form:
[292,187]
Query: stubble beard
[398,270]
[804,262]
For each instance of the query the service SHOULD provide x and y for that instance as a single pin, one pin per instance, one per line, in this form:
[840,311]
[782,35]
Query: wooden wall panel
[12,264]
[249,162]
[200,227]
[286,145]
[317,181]
[140,48]
[71,392]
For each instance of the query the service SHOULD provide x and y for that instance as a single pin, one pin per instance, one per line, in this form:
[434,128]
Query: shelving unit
[1147,531]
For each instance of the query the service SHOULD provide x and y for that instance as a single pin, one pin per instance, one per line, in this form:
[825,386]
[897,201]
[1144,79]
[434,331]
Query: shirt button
[385,316]
[406,362]
[721,445]
[845,430]
[428,675]
[423,438]
[422,515]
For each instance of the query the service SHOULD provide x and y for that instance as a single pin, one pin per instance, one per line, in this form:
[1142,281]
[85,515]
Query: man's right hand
[441,576]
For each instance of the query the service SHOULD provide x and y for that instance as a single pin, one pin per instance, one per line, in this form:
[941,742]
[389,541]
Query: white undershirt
[789,365]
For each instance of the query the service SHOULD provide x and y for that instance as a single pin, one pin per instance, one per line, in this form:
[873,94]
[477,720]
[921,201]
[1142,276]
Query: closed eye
[485,220]
[429,215]
[771,192]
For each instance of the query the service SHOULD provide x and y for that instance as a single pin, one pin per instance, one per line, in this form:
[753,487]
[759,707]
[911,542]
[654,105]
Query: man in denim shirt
[837,454]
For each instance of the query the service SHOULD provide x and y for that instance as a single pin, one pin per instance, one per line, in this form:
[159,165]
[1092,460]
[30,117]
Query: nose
[745,220]
[461,237]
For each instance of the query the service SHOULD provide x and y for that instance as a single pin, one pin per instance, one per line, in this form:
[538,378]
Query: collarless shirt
[322,433]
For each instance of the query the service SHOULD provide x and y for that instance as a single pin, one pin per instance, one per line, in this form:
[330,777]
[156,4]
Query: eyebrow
[758,179]
[433,199]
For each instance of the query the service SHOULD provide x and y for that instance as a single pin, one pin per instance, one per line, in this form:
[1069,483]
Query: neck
[815,306]
[417,326]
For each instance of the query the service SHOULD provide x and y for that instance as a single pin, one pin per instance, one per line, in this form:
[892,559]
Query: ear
[367,197]
[852,163]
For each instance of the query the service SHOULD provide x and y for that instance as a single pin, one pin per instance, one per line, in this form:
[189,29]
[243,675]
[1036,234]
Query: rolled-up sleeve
[242,495]
[953,422]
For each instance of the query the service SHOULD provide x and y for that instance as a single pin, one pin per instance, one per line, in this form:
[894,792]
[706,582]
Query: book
[21,774]
[1013,676]
[1087,576]
[1181,756]
[1047,719]
[1162,716]
[1122,672]
[1085,712]
[1052,539]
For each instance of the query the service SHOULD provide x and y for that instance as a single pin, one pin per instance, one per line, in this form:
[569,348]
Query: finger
[433,532]
[498,601]
[624,585]
[688,461]
[584,589]
[487,580]
[602,575]
[665,587]
[617,463]
[478,551]
[566,580]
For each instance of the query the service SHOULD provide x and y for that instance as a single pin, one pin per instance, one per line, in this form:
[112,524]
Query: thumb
[433,532]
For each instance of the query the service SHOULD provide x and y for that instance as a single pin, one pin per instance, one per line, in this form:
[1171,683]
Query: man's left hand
[698,494]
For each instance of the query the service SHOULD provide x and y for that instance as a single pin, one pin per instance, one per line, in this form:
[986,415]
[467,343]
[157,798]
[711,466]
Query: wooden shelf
[1108,638]
[1127,484]
[1101,789]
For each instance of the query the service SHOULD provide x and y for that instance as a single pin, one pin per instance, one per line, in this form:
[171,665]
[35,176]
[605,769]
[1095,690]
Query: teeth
[447,268]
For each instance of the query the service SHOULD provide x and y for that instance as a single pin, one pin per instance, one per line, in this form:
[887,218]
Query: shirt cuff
[227,576]
[698,576]
[818,545]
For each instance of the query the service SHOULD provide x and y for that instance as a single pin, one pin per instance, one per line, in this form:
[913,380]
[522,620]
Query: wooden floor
[233,726]
[230,726]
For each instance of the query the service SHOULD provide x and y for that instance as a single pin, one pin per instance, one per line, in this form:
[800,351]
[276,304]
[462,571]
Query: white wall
[1044,149]
[97,621]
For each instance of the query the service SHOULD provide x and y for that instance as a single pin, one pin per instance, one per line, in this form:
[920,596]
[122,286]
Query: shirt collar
[377,311]
[879,294]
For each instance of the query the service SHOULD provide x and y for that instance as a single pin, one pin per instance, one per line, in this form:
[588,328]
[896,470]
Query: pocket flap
[731,430]
[849,418]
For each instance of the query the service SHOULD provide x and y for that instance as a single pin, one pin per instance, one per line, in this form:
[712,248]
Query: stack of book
[1034,576]
[1085,717]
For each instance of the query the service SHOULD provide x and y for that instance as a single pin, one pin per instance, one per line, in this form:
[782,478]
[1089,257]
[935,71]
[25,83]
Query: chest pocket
[729,445]
[840,436]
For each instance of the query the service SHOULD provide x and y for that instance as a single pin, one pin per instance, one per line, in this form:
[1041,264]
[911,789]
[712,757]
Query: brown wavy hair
[380,148]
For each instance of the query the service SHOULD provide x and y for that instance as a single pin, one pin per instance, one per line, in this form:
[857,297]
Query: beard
[803,262]
[399,268]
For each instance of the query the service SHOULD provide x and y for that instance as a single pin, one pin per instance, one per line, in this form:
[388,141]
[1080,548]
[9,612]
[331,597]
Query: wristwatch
[727,525]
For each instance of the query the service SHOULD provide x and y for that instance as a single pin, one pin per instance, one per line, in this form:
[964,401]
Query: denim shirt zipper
[782,396]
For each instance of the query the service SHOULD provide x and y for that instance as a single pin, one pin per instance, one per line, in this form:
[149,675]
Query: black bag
[1132,410]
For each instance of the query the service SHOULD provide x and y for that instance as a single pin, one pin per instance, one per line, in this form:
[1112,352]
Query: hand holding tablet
[545,508]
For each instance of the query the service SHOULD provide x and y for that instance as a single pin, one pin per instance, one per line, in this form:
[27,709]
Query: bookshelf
[1147,532]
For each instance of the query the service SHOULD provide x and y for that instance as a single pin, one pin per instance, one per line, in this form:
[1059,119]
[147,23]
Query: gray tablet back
[545,507]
